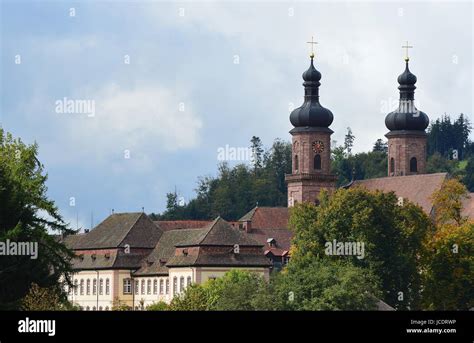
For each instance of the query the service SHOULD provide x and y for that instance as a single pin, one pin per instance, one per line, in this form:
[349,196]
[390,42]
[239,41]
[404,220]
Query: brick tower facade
[311,145]
[407,137]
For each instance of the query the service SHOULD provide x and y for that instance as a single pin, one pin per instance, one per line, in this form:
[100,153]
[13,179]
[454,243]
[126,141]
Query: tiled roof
[221,233]
[416,188]
[282,237]
[228,260]
[94,261]
[117,230]
[167,225]
[154,264]
[267,217]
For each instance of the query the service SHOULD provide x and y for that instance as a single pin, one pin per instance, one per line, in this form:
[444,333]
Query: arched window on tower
[317,162]
[297,164]
[413,165]
[392,166]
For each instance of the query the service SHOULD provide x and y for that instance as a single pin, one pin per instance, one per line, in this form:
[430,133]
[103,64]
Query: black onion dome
[311,113]
[417,121]
[407,116]
[407,78]
[312,75]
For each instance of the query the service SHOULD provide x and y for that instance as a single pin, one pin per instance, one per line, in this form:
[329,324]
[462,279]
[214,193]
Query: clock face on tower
[318,147]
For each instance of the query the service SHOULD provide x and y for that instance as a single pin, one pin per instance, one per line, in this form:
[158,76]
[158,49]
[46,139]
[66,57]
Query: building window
[137,287]
[155,286]
[175,285]
[127,286]
[75,287]
[188,281]
[107,286]
[94,287]
[161,286]
[81,287]
[296,163]
[413,165]
[88,287]
[101,286]
[143,287]
[148,287]
[181,283]
[317,162]
[392,166]
[167,286]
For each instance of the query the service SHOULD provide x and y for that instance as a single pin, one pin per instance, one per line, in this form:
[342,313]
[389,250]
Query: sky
[167,84]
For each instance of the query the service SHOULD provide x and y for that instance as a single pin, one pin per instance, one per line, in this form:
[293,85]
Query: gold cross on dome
[313,43]
[406,47]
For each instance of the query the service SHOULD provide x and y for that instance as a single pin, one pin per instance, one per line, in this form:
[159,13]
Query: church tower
[311,144]
[407,138]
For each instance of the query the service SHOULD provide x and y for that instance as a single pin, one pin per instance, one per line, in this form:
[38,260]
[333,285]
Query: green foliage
[449,271]
[448,202]
[359,166]
[238,189]
[194,298]
[449,276]
[445,135]
[326,285]
[468,178]
[236,290]
[46,299]
[158,306]
[27,215]
[119,305]
[392,236]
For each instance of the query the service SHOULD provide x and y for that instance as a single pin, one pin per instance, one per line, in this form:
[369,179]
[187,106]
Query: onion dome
[311,113]
[407,117]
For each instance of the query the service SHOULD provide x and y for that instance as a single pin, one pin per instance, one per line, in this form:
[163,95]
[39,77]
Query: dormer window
[185,252]
[271,242]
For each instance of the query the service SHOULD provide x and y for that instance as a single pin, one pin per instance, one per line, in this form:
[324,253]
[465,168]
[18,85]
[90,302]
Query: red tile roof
[270,222]
[167,225]
[416,188]
[268,217]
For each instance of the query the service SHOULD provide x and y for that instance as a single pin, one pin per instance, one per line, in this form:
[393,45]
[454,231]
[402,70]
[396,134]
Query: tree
[257,153]
[194,298]
[448,202]
[158,306]
[235,290]
[349,141]
[468,179]
[444,136]
[380,146]
[449,277]
[237,189]
[326,285]
[449,272]
[119,305]
[392,236]
[27,215]
[46,299]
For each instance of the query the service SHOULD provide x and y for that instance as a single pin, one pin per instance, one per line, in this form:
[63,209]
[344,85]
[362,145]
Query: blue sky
[189,60]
